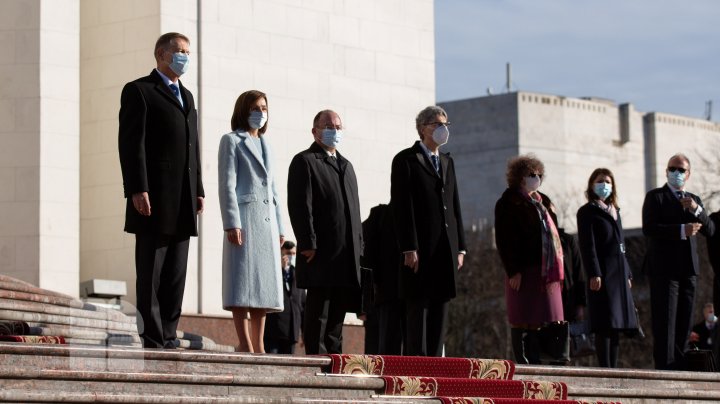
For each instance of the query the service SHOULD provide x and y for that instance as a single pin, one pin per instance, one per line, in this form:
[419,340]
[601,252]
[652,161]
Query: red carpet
[388,365]
[33,339]
[484,400]
[440,386]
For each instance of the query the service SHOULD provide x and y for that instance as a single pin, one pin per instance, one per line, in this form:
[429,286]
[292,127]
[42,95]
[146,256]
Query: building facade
[572,137]
[67,60]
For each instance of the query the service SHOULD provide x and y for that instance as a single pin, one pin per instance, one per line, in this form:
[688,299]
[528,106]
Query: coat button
[265,201]
[445,207]
[264,182]
[446,225]
[267,219]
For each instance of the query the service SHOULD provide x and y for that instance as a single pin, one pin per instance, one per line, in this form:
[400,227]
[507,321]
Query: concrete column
[39,157]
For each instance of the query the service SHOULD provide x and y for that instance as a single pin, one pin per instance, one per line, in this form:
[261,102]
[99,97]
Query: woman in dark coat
[529,245]
[600,235]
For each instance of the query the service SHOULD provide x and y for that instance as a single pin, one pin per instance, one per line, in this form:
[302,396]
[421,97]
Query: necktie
[176,91]
[435,162]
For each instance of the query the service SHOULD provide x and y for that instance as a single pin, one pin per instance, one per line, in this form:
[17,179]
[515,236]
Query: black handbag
[555,341]
[582,341]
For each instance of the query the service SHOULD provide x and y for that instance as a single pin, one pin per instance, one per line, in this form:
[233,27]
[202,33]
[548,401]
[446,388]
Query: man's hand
[308,254]
[515,281]
[689,203]
[141,202]
[411,260]
[200,204]
[234,236]
[461,260]
[595,283]
[692,229]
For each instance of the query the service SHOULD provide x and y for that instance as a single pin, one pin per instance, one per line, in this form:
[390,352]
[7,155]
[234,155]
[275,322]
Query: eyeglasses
[331,127]
[678,169]
[436,124]
[535,175]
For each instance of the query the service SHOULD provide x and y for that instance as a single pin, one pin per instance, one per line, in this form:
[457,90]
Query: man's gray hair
[427,115]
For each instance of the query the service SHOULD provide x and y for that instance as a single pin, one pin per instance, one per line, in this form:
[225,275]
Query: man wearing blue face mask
[429,229]
[160,163]
[672,217]
[325,215]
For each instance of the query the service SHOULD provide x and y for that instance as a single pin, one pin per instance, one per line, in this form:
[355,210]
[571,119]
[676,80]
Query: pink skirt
[535,303]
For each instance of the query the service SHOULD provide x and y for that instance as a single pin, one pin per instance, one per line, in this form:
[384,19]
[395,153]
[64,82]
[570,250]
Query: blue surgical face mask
[180,62]
[257,119]
[676,179]
[292,259]
[331,137]
[602,189]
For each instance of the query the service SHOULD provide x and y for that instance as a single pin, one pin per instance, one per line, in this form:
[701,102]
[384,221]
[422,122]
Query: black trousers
[426,325]
[325,310]
[279,346]
[671,303]
[160,266]
[391,327]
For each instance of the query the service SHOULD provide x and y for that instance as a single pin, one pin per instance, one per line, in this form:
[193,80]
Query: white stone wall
[696,138]
[571,136]
[371,61]
[39,168]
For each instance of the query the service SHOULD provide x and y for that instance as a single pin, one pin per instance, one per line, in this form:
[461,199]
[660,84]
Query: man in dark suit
[429,228]
[713,246]
[325,215]
[160,162]
[282,330]
[672,218]
[381,254]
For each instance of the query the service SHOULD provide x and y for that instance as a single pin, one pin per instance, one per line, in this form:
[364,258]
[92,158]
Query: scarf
[552,269]
[610,209]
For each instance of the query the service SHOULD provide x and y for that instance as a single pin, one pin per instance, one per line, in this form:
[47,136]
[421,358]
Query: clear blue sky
[660,55]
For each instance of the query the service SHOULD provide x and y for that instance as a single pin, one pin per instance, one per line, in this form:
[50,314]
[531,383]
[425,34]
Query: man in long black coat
[713,246]
[325,214]
[672,218]
[160,162]
[428,224]
[381,254]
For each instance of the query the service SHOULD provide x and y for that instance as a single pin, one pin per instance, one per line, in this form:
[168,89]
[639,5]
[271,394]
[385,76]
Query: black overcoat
[667,254]
[603,253]
[518,231]
[324,212]
[160,155]
[426,210]
[381,253]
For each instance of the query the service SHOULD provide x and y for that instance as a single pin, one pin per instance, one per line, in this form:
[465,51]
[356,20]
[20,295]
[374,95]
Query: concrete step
[62,357]
[631,386]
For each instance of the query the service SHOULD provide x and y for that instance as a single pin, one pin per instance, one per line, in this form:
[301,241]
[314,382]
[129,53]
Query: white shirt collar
[166,79]
[675,190]
[427,151]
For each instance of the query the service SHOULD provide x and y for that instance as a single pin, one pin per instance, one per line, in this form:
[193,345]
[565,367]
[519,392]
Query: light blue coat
[249,201]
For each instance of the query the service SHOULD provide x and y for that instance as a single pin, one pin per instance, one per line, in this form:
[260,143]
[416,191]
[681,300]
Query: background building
[573,137]
[66,61]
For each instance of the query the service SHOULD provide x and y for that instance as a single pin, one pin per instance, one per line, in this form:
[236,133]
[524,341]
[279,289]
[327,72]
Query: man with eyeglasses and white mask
[429,229]
[672,217]
[325,215]
[160,163]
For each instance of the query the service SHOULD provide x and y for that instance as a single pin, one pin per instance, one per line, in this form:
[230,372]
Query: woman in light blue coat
[252,279]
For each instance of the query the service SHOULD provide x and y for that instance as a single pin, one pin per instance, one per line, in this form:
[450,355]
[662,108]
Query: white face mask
[532,183]
[440,135]
[292,259]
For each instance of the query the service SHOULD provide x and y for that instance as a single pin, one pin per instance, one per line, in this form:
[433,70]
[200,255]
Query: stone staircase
[71,373]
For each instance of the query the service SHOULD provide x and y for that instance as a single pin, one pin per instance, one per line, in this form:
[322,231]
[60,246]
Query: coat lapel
[444,162]
[247,144]
[163,89]
[424,160]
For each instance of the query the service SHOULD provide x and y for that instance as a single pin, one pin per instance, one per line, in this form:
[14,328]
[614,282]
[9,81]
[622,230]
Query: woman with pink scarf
[527,239]
[600,236]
